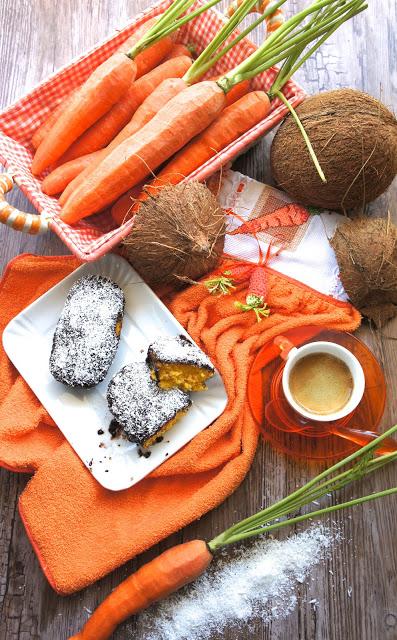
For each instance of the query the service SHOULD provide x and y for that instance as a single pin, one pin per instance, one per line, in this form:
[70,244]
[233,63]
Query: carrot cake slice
[143,410]
[178,362]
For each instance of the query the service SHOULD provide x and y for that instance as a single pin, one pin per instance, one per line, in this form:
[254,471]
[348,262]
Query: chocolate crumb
[144,453]
[100,432]
[114,428]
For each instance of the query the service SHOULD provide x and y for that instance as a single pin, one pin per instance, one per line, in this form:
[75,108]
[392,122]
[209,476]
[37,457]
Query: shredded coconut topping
[85,339]
[250,581]
[178,349]
[139,405]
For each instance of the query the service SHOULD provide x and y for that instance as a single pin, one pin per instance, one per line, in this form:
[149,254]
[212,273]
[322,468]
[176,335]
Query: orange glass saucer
[297,436]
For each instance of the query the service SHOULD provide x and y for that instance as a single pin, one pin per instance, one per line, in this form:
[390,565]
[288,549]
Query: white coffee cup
[333,349]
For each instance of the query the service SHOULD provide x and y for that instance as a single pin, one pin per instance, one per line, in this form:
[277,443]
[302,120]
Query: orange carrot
[95,97]
[57,180]
[289,215]
[238,91]
[180,49]
[153,55]
[230,124]
[124,209]
[155,580]
[104,130]
[153,103]
[44,129]
[183,117]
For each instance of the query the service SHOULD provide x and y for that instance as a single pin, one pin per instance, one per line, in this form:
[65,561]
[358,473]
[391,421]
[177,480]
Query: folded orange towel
[79,530]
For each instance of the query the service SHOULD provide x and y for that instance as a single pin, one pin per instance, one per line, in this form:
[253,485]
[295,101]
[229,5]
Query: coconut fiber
[355,139]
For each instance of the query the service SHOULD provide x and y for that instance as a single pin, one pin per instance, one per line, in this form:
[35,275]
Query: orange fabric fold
[81,531]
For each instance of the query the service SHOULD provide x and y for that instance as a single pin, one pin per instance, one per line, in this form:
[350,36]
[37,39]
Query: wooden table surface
[358,600]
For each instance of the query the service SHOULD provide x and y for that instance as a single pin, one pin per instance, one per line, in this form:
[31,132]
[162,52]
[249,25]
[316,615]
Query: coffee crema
[321,383]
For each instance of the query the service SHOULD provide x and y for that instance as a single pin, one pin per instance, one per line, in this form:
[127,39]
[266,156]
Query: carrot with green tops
[44,129]
[191,111]
[184,563]
[154,581]
[102,132]
[106,85]
[166,90]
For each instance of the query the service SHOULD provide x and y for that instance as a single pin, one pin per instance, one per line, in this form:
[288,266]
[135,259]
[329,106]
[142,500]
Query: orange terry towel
[81,531]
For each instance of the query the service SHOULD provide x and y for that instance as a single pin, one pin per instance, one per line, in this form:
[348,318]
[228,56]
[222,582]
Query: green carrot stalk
[168,22]
[333,479]
[210,56]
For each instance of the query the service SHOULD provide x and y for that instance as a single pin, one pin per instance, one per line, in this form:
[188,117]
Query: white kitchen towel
[306,253]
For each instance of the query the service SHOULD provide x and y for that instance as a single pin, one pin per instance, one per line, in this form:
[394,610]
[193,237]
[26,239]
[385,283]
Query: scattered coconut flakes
[258,581]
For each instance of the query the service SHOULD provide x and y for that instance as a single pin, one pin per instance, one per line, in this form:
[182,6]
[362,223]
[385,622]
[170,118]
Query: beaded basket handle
[273,21]
[32,223]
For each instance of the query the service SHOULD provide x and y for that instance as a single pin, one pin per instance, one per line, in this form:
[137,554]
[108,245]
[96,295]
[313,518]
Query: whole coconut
[355,139]
[366,251]
[178,235]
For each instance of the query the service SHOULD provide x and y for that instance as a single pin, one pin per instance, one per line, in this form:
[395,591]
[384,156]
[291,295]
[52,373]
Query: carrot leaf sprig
[220,285]
[352,468]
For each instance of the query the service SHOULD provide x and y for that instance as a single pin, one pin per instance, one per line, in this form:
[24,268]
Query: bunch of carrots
[183,563]
[146,105]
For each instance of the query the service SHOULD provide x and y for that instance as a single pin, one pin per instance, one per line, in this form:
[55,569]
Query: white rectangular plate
[81,414]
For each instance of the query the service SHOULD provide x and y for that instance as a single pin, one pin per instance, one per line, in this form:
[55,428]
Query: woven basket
[96,235]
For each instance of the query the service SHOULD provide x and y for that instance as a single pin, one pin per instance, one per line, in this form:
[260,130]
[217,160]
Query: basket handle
[32,223]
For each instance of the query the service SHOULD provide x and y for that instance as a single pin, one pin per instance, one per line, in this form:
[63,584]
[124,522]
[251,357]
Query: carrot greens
[363,462]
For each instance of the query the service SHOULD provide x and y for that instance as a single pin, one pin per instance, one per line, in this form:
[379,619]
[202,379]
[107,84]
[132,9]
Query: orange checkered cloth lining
[95,236]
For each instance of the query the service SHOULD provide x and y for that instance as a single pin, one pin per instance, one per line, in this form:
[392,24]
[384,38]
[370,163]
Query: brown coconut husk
[355,139]
[178,235]
[366,251]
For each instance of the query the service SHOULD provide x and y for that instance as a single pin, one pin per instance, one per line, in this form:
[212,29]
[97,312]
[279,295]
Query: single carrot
[230,124]
[183,117]
[123,208]
[180,49]
[224,282]
[44,129]
[286,216]
[155,580]
[102,132]
[238,91]
[57,180]
[95,97]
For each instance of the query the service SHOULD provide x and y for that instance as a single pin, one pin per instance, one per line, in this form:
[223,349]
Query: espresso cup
[332,349]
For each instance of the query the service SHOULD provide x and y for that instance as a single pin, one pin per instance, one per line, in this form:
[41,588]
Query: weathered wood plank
[37,38]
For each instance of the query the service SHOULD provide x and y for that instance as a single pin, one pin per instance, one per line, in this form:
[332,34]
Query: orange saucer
[297,436]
